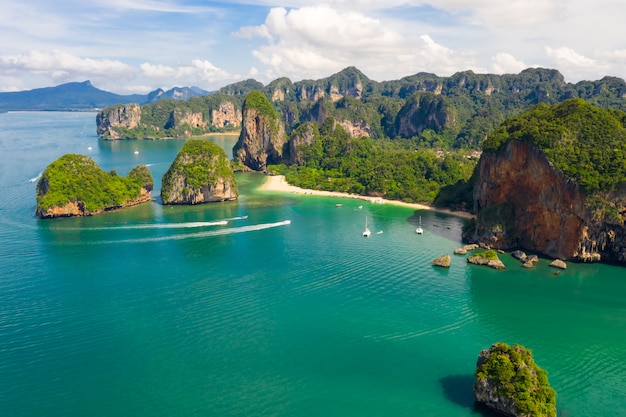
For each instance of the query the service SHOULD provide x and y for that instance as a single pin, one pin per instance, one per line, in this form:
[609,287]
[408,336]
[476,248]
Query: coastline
[278,183]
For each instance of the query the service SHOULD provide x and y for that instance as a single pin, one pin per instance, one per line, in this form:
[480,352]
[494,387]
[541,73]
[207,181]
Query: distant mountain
[176,93]
[84,96]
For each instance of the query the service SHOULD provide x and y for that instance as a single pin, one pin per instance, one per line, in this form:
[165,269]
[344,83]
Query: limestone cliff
[304,135]
[566,199]
[200,173]
[122,115]
[425,111]
[74,185]
[356,129]
[185,118]
[226,114]
[262,136]
[523,201]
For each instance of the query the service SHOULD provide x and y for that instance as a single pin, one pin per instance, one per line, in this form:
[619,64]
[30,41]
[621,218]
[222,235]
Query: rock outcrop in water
[74,185]
[262,136]
[200,173]
[509,381]
[555,185]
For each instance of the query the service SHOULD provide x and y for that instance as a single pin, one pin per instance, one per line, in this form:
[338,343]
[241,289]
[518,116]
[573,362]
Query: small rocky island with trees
[509,381]
[201,173]
[74,185]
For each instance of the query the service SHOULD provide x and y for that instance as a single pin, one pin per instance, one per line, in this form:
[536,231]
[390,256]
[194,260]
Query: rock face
[424,111]
[121,115]
[509,382]
[356,129]
[200,173]
[226,114]
[180,117]
[523,201]
[304,135]
[74,185]
[262,136]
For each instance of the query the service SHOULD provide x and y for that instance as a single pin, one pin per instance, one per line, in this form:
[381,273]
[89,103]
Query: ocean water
[158,311]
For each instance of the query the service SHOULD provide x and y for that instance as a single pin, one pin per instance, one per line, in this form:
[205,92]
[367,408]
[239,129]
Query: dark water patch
[458,389]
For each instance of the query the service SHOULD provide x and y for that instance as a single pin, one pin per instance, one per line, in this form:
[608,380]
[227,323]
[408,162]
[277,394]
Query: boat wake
[219,232]
[152,226]
[237,218]
[35,178]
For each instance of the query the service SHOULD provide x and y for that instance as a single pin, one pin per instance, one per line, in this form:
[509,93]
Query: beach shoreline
[278,183]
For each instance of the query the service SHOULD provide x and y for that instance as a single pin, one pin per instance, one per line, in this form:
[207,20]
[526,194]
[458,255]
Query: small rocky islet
[200,173]
[74,185]
[508,381]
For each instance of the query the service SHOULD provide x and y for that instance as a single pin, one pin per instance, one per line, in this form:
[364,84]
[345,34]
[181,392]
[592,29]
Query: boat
[367,232]
[338,205]
[419,229]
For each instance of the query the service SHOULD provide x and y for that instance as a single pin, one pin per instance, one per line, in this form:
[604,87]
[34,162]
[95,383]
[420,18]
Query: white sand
[278,183]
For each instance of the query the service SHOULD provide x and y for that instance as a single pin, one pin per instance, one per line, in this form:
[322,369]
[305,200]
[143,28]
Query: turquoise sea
[153,311]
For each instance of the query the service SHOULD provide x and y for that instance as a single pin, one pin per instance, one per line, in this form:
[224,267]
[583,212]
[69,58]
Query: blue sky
[136,46]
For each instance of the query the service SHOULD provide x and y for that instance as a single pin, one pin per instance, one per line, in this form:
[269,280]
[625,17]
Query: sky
[137,46]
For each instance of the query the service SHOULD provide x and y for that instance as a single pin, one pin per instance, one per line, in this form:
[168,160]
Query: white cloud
[317,41]
[61,65]
[575,65]
[199,71]
[505,63]
[157,71]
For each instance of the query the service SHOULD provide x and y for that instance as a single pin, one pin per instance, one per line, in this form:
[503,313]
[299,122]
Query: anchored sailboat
[419,229]
[366,232]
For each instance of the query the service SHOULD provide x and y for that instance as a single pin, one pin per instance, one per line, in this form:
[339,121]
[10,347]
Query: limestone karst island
[201,173]
[74,185]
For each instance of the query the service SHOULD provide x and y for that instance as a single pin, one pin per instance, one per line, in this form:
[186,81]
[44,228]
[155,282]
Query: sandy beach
[278,183]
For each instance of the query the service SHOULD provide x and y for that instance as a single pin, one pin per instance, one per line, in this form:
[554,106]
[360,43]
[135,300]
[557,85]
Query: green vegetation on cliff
[397,170]
[586,143]
[513,374]
[256,100]
[77,178]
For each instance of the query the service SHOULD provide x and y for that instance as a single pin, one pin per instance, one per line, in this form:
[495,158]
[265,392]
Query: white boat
[419,229]
[367,232]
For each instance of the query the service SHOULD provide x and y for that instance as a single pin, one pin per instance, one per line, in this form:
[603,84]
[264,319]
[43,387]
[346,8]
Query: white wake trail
[219,232]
